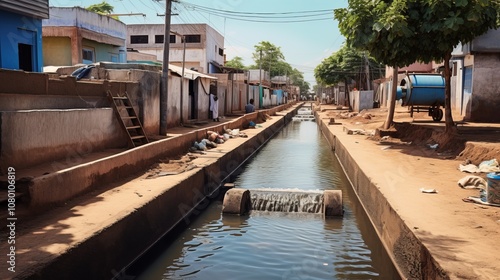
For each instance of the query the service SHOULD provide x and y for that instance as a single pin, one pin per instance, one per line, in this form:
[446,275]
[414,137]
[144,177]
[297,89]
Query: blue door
[467,91]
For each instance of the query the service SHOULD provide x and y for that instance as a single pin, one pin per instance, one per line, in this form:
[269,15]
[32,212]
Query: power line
[247,16]
[225,14]
[256,13]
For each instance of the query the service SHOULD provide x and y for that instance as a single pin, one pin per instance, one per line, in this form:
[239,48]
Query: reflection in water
[279,245]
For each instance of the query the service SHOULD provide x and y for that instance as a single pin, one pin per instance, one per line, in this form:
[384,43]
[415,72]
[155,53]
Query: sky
[304,44]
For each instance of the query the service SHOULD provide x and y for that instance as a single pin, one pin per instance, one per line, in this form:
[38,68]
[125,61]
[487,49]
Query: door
[467,91]
[193,99]
[25,53]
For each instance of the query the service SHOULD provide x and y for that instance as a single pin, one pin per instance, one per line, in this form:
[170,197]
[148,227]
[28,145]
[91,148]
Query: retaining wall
[31,137]
[118,244]
[47,190]
[410,257]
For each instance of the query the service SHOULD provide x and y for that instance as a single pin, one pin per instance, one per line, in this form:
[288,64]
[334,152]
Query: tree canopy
[236,62]
[273,61]
[345,65]
[102,8]
[401,32]
[272,58]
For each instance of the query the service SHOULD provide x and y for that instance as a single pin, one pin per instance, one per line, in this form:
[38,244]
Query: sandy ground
[460,235]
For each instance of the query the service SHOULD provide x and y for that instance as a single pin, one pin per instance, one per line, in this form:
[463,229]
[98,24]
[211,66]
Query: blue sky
[304,44]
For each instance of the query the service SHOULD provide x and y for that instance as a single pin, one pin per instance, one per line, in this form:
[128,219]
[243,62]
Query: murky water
[277,245]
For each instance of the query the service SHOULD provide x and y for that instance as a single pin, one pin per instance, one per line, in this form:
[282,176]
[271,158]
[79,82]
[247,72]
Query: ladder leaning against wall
[128,119]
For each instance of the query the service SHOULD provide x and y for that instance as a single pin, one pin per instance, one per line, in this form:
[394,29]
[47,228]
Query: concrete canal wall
[97,238]
[410,257]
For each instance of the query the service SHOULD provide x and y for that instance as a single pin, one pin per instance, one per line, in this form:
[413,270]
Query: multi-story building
[74,35]
[21,34]
[204,45]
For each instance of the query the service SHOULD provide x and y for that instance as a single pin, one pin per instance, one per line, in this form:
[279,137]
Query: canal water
[280,245]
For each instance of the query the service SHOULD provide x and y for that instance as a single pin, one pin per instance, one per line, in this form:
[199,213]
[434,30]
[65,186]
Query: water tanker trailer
[423,92]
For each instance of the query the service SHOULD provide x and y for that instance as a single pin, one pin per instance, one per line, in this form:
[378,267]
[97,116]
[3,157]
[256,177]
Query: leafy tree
[345,65]
[236,62]
[400,32]
[297,78]
[272,58]
[103,8]
[273,61]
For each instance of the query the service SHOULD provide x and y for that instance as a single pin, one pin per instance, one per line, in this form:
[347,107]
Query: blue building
[21,34]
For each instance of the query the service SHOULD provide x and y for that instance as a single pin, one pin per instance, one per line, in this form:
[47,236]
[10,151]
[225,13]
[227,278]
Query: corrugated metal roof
[32,8]
[189,74]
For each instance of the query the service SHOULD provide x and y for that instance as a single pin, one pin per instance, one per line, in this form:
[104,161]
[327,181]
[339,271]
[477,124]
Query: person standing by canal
[214,107]
[249,108]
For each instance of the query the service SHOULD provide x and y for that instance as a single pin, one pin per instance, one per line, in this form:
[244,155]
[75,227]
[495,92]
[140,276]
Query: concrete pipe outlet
[239,202]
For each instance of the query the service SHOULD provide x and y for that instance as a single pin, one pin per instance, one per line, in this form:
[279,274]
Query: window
[159,39]
[221,52]
[193,38]
[87,55]
[139,39]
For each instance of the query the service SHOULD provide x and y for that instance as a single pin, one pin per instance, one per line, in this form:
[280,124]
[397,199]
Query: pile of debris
[213,139]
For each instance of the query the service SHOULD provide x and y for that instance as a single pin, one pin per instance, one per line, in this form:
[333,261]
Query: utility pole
[260,80]
[182,72]
[164,73]
[367,69]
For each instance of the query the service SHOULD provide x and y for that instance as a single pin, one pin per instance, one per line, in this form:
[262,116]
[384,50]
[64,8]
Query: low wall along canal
[173,225]
[278,245]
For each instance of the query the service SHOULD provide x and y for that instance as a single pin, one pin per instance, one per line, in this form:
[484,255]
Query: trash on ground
[433,146]
[484,167]
[479,200]
[385,138]
[428,190]
[472,182]
[355,131]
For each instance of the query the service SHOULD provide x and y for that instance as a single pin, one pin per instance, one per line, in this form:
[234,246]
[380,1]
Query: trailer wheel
[437,115]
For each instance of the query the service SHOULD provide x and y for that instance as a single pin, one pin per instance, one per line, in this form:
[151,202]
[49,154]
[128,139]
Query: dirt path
[461,236]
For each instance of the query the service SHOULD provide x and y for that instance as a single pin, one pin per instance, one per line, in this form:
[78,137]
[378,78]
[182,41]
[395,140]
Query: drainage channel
[276,245]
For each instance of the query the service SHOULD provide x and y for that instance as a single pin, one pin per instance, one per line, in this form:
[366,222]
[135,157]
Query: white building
[204,45]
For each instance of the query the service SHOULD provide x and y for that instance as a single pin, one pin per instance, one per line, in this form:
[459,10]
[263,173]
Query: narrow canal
[278,245]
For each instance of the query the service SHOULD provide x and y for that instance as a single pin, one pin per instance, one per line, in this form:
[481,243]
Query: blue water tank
[421,90]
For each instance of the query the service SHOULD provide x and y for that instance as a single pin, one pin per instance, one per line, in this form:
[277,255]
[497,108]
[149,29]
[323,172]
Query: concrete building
[204,45]
[60,119]
[21,34]
[475,87]
[74,35]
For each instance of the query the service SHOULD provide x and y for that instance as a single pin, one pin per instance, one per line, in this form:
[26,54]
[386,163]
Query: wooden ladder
[128,119]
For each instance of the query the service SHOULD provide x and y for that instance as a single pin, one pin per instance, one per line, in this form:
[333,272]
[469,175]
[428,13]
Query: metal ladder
[128,119]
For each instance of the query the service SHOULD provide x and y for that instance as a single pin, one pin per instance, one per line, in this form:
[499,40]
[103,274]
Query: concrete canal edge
[409,255]
[109,245]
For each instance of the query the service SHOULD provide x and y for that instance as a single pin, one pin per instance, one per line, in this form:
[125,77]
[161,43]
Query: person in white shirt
[214,107]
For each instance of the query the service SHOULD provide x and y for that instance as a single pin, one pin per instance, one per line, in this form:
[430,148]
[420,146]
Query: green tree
[236,62]
[346,65]
[271,58]
[103,8]
[400,32]
[274,62]
[297,78]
